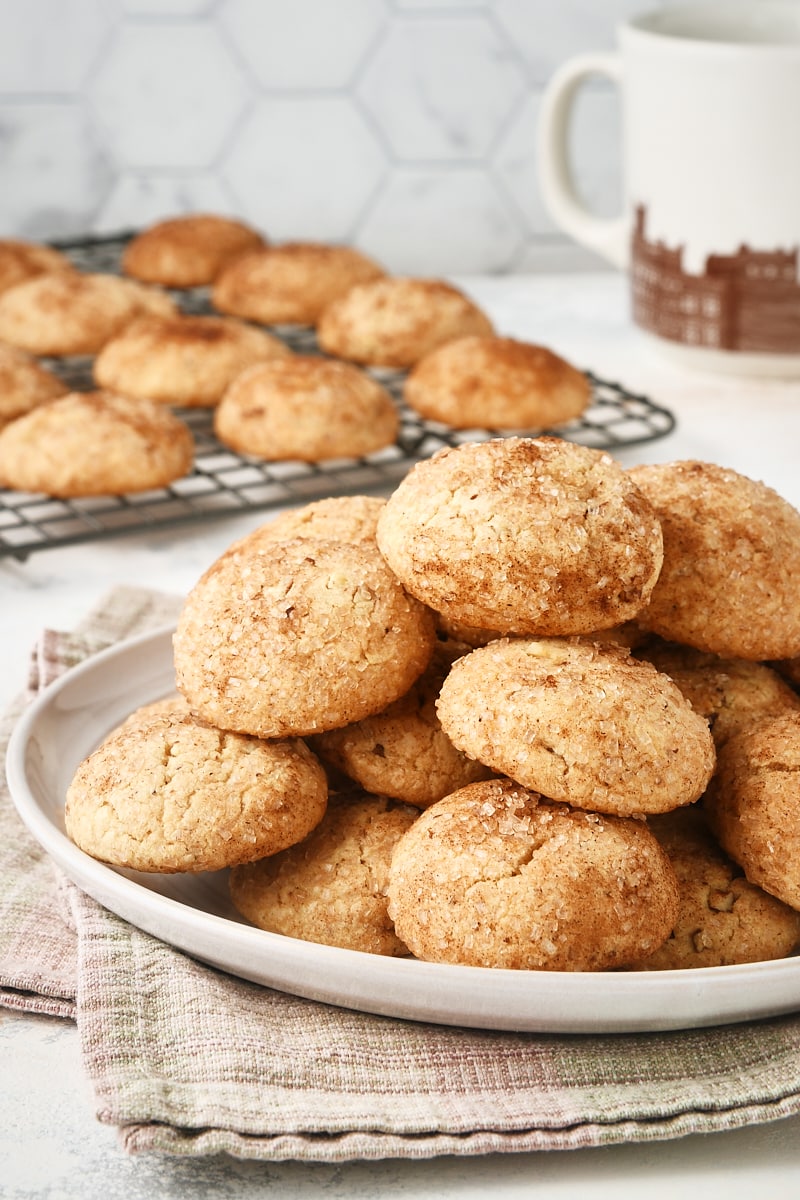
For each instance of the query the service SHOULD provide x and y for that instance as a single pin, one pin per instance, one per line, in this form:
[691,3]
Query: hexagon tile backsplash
[404,127]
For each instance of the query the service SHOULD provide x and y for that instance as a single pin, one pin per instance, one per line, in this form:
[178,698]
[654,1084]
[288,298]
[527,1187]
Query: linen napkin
[187,1060]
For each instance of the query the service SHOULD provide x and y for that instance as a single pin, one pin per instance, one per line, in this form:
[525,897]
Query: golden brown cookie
[493,876]
[731,576]
[172,794]
[579,722]
[306,408]
[731,693]
[393,322]
[335,518]
[297,637]
[723,919]
[187,361]
[188,251]
[403,751]
[21,260]
[331,888]
[496,383]
[753,805]
[291,284]
[523,535]
[24,384]
[74,313]
[94,444]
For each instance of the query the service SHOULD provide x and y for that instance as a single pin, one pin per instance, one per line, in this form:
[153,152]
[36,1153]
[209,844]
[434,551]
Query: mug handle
[607,236]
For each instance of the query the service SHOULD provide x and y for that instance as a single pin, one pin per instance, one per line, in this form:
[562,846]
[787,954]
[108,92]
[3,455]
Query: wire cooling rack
[225,483]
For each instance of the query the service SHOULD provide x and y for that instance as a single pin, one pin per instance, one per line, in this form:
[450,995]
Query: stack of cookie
[519,714]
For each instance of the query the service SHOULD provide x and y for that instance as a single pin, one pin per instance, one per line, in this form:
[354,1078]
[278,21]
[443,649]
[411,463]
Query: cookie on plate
[186,361]
[172,794]
[523,535]
[306,408]
[24,384]
[94,444]
[493,876]
[291,284]
[496,383]
[393,322]
[331,888]
[72,313]
[580,722]
[21,260]
[189,250]
[731,575]
[295,637]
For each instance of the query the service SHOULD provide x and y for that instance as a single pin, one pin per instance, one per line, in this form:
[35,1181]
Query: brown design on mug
[747,301]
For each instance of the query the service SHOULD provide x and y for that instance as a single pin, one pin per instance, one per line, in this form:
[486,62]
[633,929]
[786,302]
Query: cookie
[171,794]
[403,751]
[187,361]
[72,313]
[351,519]
[493,876]
[753,805]
[331,888]
[24,384]
[496,383]
[291,284]
[731,693]
[306,408]
[188,251]
[579,722]
[94,444]
[21,260]
[723,918]
[731,575]
[523,535]
[393,322]
[297,637]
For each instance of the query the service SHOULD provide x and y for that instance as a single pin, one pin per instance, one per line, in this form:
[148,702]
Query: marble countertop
[50,1142]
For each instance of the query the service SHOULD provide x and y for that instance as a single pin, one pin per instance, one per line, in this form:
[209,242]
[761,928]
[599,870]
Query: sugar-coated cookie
[72,313]
[306,408]
[496,383]
[297,637]
[393,322]
[291,284]
[94,444]
[334,518]
[22,260]
[731,576]
[187,361]
[24,384]
[171,794]
[523,535]
[493,876]
[189,250]
[579,722]
[331,888]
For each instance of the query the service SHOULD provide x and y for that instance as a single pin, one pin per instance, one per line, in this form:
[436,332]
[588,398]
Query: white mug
[711,163]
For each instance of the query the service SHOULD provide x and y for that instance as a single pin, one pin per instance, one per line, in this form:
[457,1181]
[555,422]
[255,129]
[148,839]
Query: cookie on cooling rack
[291,284]
[306,408]
[21,260]
[393,322]
[24,384]
[94,444]
[731,575]
[297,637]
[188,251]
[723,918]
[73,313]
[492,876]
[331,888]
[187,361]
[496,383]
[580,722]
[523,535]
[171,794]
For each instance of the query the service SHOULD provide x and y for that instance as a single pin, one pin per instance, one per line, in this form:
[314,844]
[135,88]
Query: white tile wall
[403,126]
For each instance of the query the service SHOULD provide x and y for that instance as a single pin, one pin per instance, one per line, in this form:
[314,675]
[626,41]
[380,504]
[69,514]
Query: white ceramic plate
[193,912]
